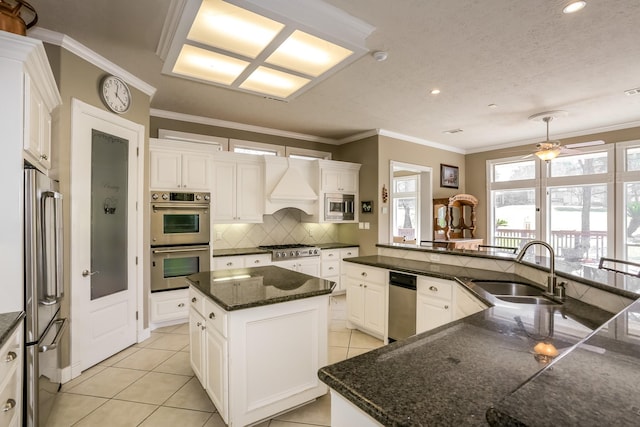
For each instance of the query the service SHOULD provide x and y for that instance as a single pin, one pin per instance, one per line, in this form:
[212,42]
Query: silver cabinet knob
[181,305]
[212,315]
[198,324]
[11,356]
[44,157]
[364,273]
[256,261]
[229,264]
[194,299]
[86,273]
[446,307]
[433,288]
[9,405]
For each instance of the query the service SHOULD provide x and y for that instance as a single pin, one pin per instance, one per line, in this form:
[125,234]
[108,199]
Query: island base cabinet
[196,343]
[217,381]
[346,414]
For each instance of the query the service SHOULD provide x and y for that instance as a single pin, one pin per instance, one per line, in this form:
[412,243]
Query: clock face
[115,94]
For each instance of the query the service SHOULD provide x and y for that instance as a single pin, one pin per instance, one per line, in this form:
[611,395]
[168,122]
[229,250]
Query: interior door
[104,234]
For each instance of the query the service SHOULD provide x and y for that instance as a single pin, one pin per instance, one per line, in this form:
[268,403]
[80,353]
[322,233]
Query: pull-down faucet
[551,280]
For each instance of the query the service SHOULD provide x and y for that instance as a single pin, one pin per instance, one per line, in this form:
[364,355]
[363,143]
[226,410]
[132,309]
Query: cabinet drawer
[169,305]
[196,300]
[11,354]
[349,252]
[330,268]
[257,260]
[370,274]
[10,399]
[228,262]
[434,287]
[330,254]
[215,317]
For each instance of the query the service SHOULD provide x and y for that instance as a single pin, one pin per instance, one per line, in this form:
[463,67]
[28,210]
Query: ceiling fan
[549,150]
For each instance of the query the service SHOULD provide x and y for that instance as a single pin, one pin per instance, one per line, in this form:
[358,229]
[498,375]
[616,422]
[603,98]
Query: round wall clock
[115,94]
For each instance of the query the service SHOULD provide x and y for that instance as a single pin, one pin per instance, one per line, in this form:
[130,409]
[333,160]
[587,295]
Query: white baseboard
[143,334]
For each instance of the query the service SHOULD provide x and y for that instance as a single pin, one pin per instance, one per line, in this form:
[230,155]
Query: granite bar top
[453,374]
[8,322]
[243,288]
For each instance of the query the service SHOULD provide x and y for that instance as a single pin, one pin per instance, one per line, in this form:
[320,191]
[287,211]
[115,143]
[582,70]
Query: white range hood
[291,183]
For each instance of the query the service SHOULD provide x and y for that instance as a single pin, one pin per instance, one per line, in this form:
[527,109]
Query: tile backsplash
[284,226]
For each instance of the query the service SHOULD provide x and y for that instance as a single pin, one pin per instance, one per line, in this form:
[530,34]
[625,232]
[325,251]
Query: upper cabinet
[37,125]
[180,165]
[339,177]
[238,194]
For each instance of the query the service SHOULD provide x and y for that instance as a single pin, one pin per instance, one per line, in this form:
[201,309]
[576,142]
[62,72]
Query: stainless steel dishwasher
[402,305]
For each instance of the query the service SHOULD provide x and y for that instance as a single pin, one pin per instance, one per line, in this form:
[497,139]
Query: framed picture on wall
[367,206]
[449,176]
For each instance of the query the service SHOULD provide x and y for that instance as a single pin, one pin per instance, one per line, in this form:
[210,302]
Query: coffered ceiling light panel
[273,48]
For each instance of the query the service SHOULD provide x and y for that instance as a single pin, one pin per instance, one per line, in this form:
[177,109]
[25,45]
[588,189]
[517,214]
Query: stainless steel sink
[515,292]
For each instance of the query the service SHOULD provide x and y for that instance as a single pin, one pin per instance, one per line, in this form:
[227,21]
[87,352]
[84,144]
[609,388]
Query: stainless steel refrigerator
[43,252]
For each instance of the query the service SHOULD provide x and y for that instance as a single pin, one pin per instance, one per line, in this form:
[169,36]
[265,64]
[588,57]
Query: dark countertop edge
[508,257]
[337,245]
[263,302]
[238,251]
[8,323]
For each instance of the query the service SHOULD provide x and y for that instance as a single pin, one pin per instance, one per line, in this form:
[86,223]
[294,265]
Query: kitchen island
[483,368]
[257,339]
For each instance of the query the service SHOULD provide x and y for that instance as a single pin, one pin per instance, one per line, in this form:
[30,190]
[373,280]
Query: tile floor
[152,384]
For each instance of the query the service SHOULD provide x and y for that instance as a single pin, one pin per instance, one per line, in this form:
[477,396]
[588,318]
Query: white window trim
[253,145]
[221,143]
[415,194]
[306,152]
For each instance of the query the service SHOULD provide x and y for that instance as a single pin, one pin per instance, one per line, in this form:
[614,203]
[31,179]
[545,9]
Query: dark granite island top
[257,286]
[8,322]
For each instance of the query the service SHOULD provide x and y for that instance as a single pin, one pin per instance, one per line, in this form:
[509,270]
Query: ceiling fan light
[548,154]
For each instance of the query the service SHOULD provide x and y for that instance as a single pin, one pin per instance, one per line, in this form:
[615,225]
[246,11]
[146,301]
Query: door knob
[86,273]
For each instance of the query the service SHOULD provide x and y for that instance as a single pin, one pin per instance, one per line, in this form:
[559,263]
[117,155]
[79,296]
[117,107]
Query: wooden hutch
[454,222]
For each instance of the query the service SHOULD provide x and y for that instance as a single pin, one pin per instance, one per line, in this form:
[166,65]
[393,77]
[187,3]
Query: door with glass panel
[104,234]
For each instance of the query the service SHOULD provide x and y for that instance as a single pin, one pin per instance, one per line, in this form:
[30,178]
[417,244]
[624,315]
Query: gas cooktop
[291,251]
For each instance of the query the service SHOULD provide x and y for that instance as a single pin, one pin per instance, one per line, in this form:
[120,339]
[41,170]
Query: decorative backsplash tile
[284,226]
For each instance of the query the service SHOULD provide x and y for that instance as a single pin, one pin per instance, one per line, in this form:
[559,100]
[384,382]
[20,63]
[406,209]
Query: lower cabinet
[217,372]
[310,266]
[366,298]
[332,266]
[434,301]
[11,380]
[241,261]
[169,305]
[197,336]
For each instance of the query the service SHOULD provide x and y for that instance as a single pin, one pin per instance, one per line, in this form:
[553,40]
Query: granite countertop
[336,245]
[453,374]
[257,286]
[8,322]
[252,251]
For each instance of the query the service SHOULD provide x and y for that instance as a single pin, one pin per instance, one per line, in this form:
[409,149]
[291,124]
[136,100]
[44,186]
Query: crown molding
[421,141]
[80,50]
[239,126]
[171,22]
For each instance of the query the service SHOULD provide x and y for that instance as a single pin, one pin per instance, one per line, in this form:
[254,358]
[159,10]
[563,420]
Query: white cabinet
[367,298]
[434,301]
[197,337]
[217,371]
[37,126]
[241,261]
[238,195]
[180,165]
[332,266]
[465,303]
[339,177]
[310,266]
[169,305]
[11,380]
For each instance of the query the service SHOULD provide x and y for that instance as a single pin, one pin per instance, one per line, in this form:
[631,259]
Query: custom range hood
[291,183]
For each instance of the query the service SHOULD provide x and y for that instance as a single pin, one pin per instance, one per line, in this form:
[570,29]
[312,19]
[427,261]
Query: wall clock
[115,94]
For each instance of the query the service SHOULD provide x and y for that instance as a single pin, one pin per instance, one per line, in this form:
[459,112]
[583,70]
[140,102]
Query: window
[405,207]
[257,148]
[305,153]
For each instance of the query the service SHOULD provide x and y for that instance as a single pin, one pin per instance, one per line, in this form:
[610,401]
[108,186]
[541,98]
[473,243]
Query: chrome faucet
[551,280]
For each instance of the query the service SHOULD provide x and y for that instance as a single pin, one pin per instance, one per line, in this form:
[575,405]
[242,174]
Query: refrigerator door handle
[52,239]
[56,339]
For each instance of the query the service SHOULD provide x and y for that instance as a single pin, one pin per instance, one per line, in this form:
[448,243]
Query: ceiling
[523,56]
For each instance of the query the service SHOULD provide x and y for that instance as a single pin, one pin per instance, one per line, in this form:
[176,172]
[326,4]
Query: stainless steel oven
[171,264]
[339,207]
[179,218]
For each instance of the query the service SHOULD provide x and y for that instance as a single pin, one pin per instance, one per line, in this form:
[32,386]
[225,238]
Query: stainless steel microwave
[179,218]
[339,207]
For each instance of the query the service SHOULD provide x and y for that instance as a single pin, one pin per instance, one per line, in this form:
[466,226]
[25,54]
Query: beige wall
[76,78]
[476,167]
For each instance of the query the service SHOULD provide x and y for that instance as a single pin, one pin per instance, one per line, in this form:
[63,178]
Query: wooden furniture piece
[454,222]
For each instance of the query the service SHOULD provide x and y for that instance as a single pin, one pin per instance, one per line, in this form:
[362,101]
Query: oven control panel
[180,197]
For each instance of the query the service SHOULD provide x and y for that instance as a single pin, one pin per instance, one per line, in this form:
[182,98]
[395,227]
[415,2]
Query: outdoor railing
[568,244]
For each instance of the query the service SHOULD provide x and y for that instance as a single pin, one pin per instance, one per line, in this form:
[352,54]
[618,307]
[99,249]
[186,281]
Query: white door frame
[80,111]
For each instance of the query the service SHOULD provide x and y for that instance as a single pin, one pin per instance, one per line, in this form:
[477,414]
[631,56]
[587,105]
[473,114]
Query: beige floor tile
[166,329]
[316,413]
[191,396]
[173,342]
[117,413]
[119,356]
[69,408]
[356,352]
[177,364]
[145,358]
[338,326]
[108,382]
[154,388]
[83,377]
[152,338]
[215,421]
[172,417]
[278,423]
[339,339]
[337,354]
[186,348]
[181,329]
[362,340]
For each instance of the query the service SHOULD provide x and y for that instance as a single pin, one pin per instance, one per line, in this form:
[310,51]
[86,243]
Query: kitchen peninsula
[257,339]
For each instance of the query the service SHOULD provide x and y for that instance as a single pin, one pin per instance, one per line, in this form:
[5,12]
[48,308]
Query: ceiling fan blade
[585,144]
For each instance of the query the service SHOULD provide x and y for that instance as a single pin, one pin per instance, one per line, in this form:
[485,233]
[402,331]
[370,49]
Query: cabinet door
[431,313]
[310,267]
[466,304]
[223,204]
[374,307]
[196,171]
[249,192]
[165,167]
[228,262]
[349,181]
[355,301]
[196,344]
[37,141]
[216,371]
[330,180]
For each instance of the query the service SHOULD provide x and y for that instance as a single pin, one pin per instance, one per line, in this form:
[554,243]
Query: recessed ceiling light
[380,55]
[452,131]
[574,6]
[435,91]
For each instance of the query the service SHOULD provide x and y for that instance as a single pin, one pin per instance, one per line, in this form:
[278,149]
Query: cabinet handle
[203,327]
[11,356]
[364,273]
[44,157]
[194,299]
[229,264]
[199,324]
[181,305]
[360,284]
[330,255]
[9,405]
[256,261]
[330,268]
[348,253]
[212,315]
[433,288]
[446,307]
[365,286]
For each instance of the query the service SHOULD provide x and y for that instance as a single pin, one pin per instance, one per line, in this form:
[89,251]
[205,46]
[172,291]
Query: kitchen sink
[515,292]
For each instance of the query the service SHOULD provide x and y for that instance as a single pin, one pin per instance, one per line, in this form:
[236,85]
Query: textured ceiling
[523,56]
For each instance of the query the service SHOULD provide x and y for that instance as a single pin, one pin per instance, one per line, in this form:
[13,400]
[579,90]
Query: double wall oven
[180,230]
